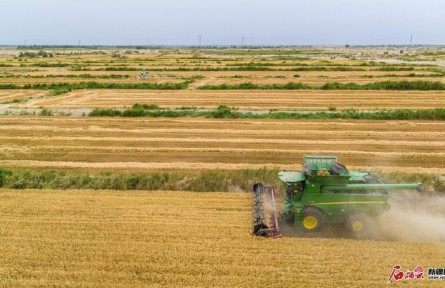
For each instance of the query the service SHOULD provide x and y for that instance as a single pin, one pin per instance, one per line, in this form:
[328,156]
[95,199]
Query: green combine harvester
[325,192]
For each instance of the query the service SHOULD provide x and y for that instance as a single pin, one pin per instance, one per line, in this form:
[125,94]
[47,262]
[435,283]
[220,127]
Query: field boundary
[237,180]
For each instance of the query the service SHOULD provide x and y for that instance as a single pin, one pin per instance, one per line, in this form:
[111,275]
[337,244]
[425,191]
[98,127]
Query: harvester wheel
[360,224]
[312,219]
[261,230]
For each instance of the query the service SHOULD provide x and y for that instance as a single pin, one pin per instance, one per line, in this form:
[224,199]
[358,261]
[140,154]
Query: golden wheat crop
[178,239]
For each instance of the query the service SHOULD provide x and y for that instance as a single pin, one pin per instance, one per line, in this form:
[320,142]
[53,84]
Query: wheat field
[178,239]
[85,238]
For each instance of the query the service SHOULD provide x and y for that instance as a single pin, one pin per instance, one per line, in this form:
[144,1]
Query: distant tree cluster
[41,53]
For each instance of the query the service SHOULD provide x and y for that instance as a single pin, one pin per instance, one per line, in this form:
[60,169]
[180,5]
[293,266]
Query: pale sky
[179,22]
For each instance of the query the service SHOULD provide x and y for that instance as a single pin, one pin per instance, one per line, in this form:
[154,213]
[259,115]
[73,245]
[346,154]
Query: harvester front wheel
[312,219]
[360,224]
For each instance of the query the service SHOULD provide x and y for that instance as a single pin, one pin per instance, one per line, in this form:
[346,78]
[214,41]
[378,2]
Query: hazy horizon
[173,22]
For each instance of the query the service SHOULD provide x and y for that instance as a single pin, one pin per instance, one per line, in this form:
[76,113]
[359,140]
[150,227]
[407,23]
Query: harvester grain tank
[324,192]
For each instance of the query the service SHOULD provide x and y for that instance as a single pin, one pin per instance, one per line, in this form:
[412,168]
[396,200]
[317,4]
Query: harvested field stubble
[8,95]
[179,239]
[183,144]
[261,100]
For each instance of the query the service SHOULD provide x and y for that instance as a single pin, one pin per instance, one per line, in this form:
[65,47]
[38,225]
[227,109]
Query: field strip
[254,99]
[19,94]
[374,154]
[396,143]
[264,132]
[177,239]
[138,144]
[88,122]
[413,143]
[197,166]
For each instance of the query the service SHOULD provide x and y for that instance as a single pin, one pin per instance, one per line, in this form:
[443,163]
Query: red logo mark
[397,273]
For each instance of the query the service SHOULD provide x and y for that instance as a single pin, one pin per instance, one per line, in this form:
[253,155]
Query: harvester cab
[324,192]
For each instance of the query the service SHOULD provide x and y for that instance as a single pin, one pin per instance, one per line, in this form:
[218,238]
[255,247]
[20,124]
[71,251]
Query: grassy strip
[202,181]
[81,76]
[218,69]
[96,85]
[385,85]
[323,68]
[394,68]
[46,64]
[66,88]
[252,86]
[63,88]
[435,75]
[226,112]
